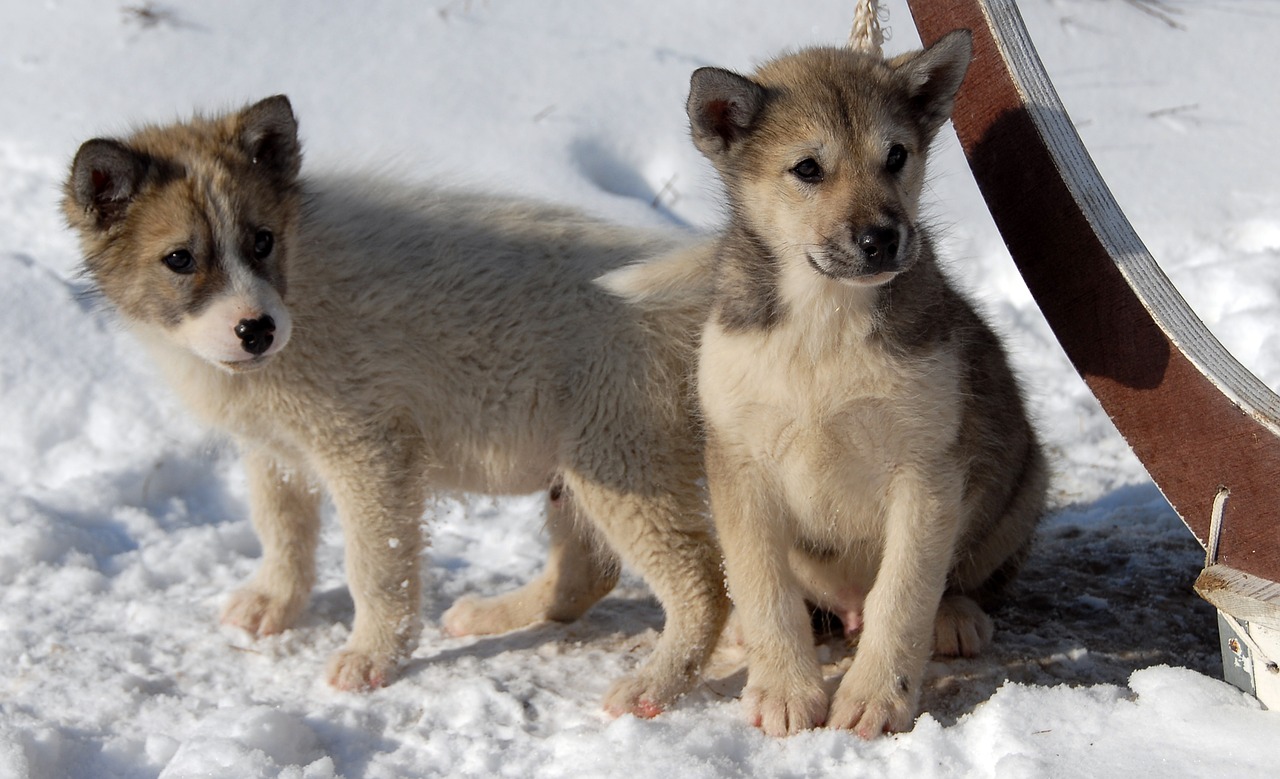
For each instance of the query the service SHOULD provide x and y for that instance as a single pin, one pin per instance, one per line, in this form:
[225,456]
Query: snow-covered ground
[122,525]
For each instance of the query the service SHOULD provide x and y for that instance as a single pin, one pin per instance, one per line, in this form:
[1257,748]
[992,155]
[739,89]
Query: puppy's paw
[870,709]
[475,616]
[784,711]
[354,671]
[259,613]
[644,693]
[962,628]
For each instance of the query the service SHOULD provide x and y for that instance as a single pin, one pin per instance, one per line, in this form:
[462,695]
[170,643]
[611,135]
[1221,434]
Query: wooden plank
[1247,598]
[1196,418]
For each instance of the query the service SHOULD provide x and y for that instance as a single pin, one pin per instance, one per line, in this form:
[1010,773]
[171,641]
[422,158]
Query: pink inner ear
[720,114]
[101,181]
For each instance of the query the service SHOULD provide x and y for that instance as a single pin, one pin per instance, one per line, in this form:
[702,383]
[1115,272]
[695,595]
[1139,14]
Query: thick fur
[418,341]
[868,449]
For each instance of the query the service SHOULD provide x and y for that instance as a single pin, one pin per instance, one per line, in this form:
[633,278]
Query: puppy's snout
[256,335]
[879,245]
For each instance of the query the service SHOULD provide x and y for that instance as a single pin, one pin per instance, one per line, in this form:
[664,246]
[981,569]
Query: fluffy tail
[677,278]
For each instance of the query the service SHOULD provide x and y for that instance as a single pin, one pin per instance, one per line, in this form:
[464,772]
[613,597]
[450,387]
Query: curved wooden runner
[1205,428]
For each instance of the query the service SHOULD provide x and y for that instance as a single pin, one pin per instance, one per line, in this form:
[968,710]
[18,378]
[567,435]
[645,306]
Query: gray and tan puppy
[868,449]
[380,342]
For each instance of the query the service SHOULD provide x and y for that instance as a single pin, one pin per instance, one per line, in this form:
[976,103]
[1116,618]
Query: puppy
[378,342]
[868,450]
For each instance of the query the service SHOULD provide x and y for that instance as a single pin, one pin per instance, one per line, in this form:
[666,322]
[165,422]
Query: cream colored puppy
[379,342]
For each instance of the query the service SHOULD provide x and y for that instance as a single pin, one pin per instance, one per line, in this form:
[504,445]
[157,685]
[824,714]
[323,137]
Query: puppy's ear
[269,135]
[722,108]
[105,177]
[931,78]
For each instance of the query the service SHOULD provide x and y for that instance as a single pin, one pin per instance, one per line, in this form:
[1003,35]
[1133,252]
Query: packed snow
[124,525]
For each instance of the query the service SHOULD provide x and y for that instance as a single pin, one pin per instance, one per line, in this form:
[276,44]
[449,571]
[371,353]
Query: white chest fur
[825,410]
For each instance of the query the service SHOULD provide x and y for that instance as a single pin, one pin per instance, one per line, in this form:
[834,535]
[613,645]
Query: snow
[124,523]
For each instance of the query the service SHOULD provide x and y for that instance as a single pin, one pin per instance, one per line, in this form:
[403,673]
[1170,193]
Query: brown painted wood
[1196,419]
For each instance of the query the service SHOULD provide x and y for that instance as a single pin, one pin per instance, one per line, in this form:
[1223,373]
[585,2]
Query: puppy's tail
[677,278]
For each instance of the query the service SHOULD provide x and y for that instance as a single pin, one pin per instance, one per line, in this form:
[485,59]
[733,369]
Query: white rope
[1215,526]
[866,34]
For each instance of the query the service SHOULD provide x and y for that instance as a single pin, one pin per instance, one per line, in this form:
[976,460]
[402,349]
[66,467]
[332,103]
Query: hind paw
[475,616]
[961,628]
[259,613]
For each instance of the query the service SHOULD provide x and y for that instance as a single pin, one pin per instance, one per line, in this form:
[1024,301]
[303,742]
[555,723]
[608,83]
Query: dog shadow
[627,620]
[629,617]
[611,172]
[1106,591]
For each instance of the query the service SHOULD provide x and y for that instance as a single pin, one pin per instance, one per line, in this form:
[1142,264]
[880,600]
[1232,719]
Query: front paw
[786,709]
[871,704]
[260,613]
[355,671]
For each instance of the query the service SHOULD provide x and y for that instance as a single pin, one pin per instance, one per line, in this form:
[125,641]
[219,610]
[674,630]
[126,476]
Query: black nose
[256,334]
[879,246]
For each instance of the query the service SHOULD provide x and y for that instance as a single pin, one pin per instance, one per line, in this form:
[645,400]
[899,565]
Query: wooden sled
[1204,427]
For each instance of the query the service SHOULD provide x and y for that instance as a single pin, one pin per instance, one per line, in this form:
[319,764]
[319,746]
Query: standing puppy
[868,449]
[379,341]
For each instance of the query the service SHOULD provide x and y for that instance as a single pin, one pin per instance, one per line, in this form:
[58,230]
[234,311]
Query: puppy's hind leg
[991,554]
[666,537]
[285,510]
[579,572]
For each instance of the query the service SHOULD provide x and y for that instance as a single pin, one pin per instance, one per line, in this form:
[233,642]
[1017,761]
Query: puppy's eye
[897,158]
[180,261]
[808,171]
[263,242]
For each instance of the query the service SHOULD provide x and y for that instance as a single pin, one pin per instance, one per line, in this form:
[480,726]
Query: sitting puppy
[868,449]
[378,342]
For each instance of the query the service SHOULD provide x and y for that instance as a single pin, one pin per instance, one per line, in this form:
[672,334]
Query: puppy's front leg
[784,692]
[882,689]
[285,511]
[380,498]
